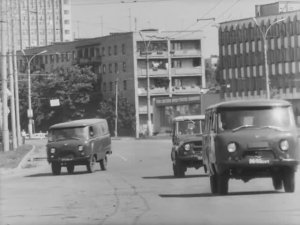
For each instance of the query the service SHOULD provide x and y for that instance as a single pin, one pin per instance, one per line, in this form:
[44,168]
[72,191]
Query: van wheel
[289,180]
[179,169]
[103,163]
[56,168]
[70,168]
[277,182]
[91,164]
[213,184]
[222,180]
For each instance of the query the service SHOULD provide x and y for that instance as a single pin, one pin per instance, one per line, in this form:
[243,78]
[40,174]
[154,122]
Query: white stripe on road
[120,156]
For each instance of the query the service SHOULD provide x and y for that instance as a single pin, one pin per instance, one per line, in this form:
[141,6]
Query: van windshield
[193,127]
[271,117]
[68,133]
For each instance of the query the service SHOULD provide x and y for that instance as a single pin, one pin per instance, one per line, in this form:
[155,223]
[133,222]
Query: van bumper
[76,161]
[255,163]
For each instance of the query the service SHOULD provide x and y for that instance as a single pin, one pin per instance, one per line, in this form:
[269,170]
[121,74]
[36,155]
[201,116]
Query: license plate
[66,159]
[259,161]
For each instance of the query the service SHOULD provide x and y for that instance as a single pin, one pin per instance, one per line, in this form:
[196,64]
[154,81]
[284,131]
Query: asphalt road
[138,188]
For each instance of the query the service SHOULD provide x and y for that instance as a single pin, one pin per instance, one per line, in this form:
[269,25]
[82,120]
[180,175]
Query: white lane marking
[120,156]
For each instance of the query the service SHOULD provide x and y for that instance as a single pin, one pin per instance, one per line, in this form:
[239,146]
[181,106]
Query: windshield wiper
[241,127]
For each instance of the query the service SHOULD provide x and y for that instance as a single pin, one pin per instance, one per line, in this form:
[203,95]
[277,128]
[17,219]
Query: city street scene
[149,112]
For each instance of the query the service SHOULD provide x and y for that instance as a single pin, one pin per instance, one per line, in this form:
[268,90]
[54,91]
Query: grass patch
[11,159]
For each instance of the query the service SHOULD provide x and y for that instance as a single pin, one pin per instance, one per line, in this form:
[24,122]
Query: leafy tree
[76,89]
[126,115]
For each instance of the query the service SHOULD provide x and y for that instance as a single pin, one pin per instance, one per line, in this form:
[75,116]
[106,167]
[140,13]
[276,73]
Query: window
[253,46]
[293,67]
[57,58]
[272,44]
[259,46]
[247,47]
[124,66]
[66,21]
[248,71]
[292,41]
[103,51]
[110,68]
[279,43]
[230,73]
[235,49]
[241,48]
[116,68]
[223,50]
[273,71]
[229,49]
[111,86]
[286,42]
[104,69]
[67,31]
[109,50]
[124,85]
[66,2]
[66,12]
[279,68]
[260,70]
[254,71]
[224,74]
[104,86]
[115,50]
[123,49]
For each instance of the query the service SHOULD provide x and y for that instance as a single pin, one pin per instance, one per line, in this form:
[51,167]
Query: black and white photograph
[149,112]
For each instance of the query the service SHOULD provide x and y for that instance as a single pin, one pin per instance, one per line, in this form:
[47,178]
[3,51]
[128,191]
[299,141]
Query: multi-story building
[242,63]
[39,22]
[170,61]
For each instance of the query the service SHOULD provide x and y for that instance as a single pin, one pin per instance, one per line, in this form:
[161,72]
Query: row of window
[244,33]
[257,71]
[111,86]
[256,46]
[95,51]
[111,69]
[249,59]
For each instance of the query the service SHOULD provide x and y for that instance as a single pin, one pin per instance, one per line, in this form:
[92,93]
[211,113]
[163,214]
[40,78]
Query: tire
[289,180]
[222,183]
[277,182]
[103,163]
[213,184]
[56,168]
[90,166]
[70,168]
[179,169]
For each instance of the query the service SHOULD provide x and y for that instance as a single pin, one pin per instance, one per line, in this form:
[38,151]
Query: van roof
[250,103]
[76,123]
[189,117]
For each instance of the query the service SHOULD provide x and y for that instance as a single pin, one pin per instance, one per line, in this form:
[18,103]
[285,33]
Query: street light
[149,123]
[264,35]
[29,111]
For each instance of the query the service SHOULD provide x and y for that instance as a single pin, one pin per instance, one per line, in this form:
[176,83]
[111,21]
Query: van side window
[97,130]
[104,128]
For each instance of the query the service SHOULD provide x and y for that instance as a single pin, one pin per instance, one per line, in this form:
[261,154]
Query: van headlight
[187,147]
[52,150]
[284,145]
[231,147]
[80,148]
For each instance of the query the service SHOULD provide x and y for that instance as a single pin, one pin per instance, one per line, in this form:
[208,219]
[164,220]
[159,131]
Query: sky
[94,18]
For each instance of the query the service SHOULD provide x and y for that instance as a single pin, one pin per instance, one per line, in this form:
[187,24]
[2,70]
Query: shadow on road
[212,195]
[62,174]
[172,177]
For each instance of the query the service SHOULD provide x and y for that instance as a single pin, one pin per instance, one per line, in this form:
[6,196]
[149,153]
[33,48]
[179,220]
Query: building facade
[172,61]
[39,22]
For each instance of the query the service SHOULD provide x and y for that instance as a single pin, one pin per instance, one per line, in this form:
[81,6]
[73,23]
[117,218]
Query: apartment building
[171,61]
[39,22]
[242,63]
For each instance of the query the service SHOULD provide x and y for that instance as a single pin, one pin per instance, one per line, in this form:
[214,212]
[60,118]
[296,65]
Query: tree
[76,89]
[126,115]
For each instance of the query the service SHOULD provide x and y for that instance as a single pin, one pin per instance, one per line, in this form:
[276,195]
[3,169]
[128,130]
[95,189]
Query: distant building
[175,70]
[276,8]
[242,63]
[40,22]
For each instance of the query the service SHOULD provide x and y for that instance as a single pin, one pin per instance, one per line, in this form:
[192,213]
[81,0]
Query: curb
[26,158]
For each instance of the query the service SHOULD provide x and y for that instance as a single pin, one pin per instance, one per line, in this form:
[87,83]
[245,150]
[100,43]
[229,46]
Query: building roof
[76,123]
[251,103]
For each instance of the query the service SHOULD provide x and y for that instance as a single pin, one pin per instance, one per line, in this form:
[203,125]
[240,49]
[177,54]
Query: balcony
[153,91]
[186,71]
[96,59]
[155,73]
[143,109]
[187,90]
[186,53]
[153,54]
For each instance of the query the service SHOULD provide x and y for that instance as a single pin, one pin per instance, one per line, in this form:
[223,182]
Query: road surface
[138,188]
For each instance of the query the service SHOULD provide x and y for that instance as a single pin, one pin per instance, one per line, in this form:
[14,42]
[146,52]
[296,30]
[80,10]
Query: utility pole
[169,67]
[5,132]
[11,79]
[116,112]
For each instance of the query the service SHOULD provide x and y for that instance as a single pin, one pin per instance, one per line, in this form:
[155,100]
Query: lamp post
[264,36]
[149,123]
[29,111]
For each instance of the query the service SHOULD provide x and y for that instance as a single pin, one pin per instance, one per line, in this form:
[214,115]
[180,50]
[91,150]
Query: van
[78,142]
[250,139]
[187,143]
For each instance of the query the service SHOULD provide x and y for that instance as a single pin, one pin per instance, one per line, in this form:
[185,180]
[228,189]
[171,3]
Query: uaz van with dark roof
[78,142]
[250,139]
